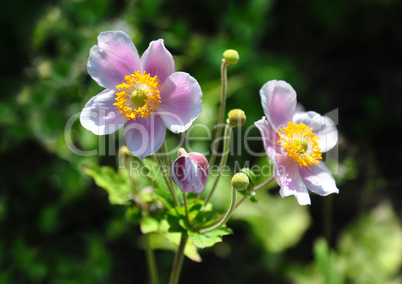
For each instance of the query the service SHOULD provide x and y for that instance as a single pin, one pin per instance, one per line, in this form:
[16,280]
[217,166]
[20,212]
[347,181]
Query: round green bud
[231,56]
[240,181]
[236,117]
[249,173]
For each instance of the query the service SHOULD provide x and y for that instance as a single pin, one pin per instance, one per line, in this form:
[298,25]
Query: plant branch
[224,66]
[178,261]
[226,144]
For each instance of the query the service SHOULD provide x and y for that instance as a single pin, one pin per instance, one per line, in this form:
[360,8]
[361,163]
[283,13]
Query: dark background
[57,226]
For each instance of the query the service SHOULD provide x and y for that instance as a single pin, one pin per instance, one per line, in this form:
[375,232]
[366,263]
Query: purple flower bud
[190,172]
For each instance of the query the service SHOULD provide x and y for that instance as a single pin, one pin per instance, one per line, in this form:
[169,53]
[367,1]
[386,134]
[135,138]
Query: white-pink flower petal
[323,126]
[278,100]
[99,114]
[144,136]
[158,61]
[269,137]
[319,179]
[180,101]
[114,57]
[291,182]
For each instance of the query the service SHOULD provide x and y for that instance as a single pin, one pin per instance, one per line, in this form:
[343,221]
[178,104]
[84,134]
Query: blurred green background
[57,226]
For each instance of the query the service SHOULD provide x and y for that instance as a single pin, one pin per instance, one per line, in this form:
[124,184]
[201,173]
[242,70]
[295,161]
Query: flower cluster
[145,96]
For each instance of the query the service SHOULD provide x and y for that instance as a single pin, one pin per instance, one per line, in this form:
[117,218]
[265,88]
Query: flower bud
[240,181]
[190,172]
[249,173]
[236,117]
[231,56]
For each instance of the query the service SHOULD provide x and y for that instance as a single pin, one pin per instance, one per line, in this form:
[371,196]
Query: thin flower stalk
[258,187]
[228,132]
[176,202]
[186,209]
[178,261]
[153,271]
[165,151]
[226,216]
[221,111]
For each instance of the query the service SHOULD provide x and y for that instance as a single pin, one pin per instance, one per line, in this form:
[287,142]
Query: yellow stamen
[301,144]
[138,95]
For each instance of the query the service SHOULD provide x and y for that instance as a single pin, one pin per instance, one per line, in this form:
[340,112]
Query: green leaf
[327,263]
[117,184]
[170,241]
[277,223]
[149,224]
[173,217]
[162,189]
[371,249]
[209,239]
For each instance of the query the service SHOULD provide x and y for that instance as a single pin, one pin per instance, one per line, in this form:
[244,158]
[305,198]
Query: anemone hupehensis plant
[170,198]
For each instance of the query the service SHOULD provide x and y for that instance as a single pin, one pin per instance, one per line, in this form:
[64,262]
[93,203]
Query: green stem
[258,187]
[178,261]
[153,272]
[164,147]
[226,216]
[221,110]
[226,144]
[176,202]
[263,184]
[186,209]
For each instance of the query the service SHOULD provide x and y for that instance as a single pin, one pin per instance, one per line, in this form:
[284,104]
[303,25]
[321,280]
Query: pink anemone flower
[294,142]
[143,94]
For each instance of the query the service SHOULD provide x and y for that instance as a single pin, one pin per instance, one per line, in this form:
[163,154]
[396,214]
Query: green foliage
[198,217]
[327,264]
[162,190]
[370,250]
[203,240]
[277,223]
[117,184]
[170,241]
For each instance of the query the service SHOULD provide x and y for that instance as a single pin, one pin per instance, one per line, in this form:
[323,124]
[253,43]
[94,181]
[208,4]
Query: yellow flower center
[138,95]
[301,144]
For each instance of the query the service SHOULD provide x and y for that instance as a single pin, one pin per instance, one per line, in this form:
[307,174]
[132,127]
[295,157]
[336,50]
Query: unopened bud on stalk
[231,56]
[240,181]
[236,117]
[249,173]
[190,171]
[181,152]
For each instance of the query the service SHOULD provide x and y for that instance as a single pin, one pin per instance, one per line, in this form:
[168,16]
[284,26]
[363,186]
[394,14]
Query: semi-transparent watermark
[146,137]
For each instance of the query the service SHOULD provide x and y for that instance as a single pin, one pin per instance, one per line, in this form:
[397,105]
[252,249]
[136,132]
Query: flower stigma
[301,144]
[138,95]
